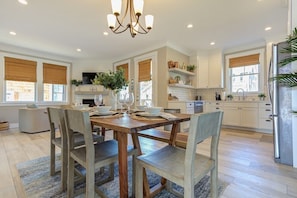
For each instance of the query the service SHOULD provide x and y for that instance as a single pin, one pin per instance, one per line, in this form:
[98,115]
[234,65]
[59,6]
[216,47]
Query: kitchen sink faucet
[243,96]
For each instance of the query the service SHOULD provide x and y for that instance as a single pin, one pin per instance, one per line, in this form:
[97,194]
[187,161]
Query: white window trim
[154,57]
[38,84]
[260,51]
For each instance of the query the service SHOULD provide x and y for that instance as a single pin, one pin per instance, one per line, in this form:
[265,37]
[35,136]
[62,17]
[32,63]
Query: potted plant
[191,68]
[114,81]
[261,96]
[177,79]
[230,97]
[76,82]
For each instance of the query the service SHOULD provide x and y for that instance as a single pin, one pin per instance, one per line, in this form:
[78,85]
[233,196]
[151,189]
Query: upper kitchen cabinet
[209,69]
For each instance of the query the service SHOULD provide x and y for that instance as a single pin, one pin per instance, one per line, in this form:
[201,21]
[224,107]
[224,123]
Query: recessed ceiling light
[267,28]
[24,2]
[12,33]
[212,43]
[105,33]
[79,50]
[190,26]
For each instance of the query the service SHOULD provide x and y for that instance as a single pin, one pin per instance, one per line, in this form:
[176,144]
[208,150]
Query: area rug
[37,182]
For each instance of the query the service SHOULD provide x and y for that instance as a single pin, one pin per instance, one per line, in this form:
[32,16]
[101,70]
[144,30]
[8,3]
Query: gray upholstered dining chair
[185,167]
[57,121]
[93,156]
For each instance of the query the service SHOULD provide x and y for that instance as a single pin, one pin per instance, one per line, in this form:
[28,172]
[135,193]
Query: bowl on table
[141,107]
[153,110]
[103,109]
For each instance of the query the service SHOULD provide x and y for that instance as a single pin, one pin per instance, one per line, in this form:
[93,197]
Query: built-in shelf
[181,71]
[91,92]
[181,86]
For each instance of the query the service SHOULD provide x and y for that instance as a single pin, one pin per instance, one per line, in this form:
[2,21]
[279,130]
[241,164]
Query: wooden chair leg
[52,160]
[70,178]
[90,181]
[139,181]
[214,183]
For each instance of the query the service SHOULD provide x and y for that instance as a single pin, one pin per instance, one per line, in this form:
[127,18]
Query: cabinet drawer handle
[217,108]
[268,120]
[267,109]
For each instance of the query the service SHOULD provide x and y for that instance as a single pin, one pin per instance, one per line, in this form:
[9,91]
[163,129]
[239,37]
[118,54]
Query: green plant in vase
[261,96]
[229,96]
[76,82]
[114,81]
[191,68]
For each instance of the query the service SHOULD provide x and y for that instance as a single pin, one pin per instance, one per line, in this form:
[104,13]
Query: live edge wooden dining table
[124,125]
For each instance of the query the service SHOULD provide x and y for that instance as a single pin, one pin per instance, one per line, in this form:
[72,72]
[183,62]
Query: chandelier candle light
[135,7]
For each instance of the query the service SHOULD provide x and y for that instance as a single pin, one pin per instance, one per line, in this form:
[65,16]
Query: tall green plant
[289,79]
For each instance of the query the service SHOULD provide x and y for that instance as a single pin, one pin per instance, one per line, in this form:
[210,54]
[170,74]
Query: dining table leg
[123,164]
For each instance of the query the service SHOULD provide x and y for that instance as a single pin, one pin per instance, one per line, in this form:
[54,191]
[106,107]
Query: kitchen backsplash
[206,94]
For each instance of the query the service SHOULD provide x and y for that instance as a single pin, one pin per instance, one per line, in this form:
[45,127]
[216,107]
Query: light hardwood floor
[245,162]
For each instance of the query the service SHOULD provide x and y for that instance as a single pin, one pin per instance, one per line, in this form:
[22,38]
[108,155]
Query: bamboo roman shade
[54,74]
[144,68]
[126,70]
[20,69]
[244,60]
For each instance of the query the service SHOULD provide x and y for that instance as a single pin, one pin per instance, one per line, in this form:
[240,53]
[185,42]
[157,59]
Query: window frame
[261,68]
[39,84]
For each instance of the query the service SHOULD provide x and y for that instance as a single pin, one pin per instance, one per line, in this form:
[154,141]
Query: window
[145,82]
[54,82]
[53,92]
[246,78]
[20,80]
[20,91]
[245,72]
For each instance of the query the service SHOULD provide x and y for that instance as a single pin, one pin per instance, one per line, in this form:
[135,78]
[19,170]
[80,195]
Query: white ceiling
[62,26]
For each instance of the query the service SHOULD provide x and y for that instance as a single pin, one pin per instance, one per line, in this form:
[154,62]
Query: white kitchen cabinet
[213,106]
[209,70]
[241,114]
[231,115]
[265,110]
[215,70]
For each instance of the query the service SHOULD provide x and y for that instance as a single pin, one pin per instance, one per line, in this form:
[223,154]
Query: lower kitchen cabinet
[231,116]
[241,114]
[265,110]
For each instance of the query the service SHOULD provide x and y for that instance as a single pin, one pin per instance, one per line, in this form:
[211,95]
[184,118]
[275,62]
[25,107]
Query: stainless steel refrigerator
[281,99]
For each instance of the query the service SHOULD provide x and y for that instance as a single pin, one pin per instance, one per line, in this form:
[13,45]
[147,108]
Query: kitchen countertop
[225,101]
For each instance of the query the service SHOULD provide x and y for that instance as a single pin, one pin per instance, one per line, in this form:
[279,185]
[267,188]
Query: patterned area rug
[37,182]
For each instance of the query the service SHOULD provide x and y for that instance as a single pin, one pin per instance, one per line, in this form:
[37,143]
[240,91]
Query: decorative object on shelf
[76,82]
[171,97]
[177,79]
[191,68]
[114,81]
[262,96]
[134,9]
[229,97]
[172,64]
[172,80]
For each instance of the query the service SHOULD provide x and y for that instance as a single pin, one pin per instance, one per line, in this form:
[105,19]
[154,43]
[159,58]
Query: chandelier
[134,7]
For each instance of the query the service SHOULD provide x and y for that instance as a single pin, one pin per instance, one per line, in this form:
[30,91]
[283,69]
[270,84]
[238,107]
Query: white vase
[113,100]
